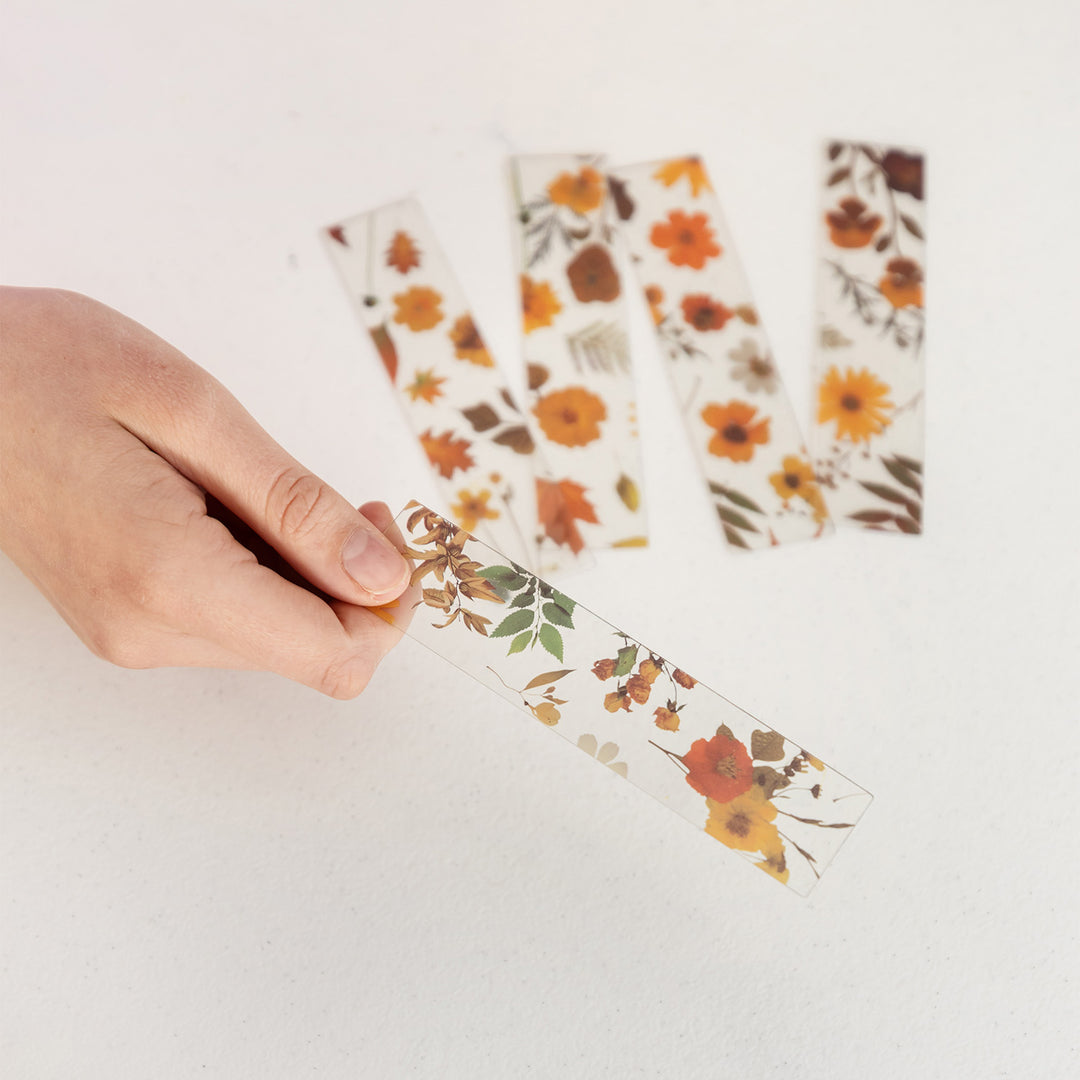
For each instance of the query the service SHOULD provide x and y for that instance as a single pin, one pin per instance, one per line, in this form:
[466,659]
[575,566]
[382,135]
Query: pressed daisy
[754,367]
[744,823]
[796,480]
[857,401]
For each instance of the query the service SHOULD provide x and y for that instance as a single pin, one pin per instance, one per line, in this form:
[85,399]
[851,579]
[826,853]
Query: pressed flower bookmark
[454,397]
[624,704]
[740,420]
[868,440]
[576,344]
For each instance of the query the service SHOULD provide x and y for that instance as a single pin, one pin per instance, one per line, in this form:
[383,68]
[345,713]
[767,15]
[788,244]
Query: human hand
[111,442]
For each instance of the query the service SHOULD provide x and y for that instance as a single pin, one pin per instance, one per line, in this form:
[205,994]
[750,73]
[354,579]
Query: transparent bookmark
[624,704]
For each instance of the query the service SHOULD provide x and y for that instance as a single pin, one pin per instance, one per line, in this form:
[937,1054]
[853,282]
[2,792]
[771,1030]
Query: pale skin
[111,442]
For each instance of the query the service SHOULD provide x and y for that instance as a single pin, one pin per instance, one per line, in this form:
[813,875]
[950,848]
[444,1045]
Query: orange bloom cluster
[570,417]
[581,192]
[418,308]
[688,239]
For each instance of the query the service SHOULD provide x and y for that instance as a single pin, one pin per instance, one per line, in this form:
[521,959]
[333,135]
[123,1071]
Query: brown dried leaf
[766,745]
[517,438]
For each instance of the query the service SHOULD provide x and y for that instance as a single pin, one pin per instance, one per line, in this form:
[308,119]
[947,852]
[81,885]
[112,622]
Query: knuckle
[345,677]
[297,502]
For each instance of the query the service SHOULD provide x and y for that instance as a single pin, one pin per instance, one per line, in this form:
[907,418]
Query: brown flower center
[569,415]
[470,339]
[735,433]
[791,480]
[851,403]
[739,824]
[760,367]
[686,237]
[703,319]
[726,767]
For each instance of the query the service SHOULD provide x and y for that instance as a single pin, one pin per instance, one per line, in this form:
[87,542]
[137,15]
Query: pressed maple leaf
[560,505]
[402,254]
[446,453]
[427,386]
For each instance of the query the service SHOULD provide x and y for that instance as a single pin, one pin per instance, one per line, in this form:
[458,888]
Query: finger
[270,624]
[191,420]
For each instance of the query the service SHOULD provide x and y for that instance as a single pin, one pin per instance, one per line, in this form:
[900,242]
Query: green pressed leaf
[551,639]
[520,643]
[624,661]
[514,623]
[523,599]
[555,614]
[734,538]
[741,500]
[903,474]
[872,517]
[766,745]
[912,226]
[884,492]
[909,463]
[733,517]
[562,600]
[504,577]
[547,677]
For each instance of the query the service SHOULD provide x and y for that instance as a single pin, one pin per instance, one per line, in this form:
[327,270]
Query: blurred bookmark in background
[576,345]
[741,423]
[869,408]
[452,393]
[624,704]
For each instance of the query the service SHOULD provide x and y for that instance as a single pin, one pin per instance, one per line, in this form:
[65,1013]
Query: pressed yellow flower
[796,480]
[775,864]
[745,823]
[858,401]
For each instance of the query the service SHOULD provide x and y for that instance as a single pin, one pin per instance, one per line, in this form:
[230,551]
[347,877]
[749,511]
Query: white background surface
[216,874]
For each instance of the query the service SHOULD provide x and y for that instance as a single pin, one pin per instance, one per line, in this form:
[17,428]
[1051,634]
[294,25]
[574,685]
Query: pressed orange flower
[559,506]
[687,682]
[671,172]
[737,430]
[649,670]
[902,283]
[471,507]
[468,344]
[745,823]
[592,275]
[666,719]
[688,238]
[718,768]
[654,296]
[638,688]
[539,304]
[402,254]
[447,453]
[851,226]
[418,308]
[603,669]
[427,386]
[704,313]
[581,192]
[796,480]
[570,417]
[616,700]
[857,401]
